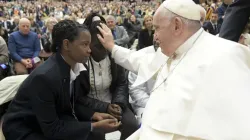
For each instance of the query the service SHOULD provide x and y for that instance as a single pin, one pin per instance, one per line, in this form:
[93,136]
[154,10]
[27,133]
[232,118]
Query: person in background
[210,10]
[35,27]
[222,10]
[212,26]
[48,103]
[4,58]
[119,32]
[146,35]
[24,46]
[6,23]
[133,27]
[4,34]
[46,39]
[235,20]
[119,21]
[15,23]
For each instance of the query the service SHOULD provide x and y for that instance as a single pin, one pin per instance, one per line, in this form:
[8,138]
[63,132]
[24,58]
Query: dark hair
[215,12]
[65,29]
[88,21]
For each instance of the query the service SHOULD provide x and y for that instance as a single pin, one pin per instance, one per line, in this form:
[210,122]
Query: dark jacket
[209,27]
[42,108]
[133,29]
[221,12]
[8,25]
[236,18]
[118,89]
[145,39]
[46,43]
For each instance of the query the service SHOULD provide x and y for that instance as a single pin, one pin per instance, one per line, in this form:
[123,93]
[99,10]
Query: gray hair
[111,18]
[191,24]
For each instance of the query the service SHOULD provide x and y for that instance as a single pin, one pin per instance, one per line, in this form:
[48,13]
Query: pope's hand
[107,38]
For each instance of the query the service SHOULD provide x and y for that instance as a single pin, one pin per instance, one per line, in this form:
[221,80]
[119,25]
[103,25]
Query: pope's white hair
[110,17]
[193,24]
[202,12]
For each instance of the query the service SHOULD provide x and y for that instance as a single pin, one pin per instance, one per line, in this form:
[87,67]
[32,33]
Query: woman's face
[79,49]
[148,22]
[51,24]
[98,51]
[132,18]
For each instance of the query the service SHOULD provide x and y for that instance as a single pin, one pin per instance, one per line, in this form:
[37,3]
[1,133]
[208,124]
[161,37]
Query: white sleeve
[128,59]
[138,94]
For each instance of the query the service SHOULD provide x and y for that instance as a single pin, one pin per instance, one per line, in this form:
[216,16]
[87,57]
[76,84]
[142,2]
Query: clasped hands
[107,122]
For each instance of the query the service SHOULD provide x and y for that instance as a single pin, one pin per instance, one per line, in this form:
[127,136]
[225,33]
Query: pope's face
[163,34]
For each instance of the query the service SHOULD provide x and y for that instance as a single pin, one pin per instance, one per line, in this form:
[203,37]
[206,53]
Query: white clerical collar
[188,43]
[76,71]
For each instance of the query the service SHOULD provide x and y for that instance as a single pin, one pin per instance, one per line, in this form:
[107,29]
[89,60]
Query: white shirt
[100,81]
[74,73]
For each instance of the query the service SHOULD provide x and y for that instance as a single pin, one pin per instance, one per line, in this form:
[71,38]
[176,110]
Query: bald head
[24,26]
[24,21]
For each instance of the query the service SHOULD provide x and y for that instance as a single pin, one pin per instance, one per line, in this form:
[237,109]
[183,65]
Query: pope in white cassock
[203,89]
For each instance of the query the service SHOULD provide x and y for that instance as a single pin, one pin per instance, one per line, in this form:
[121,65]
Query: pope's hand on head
[107,38]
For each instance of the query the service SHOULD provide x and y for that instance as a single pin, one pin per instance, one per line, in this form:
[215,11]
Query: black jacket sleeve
[236,18]
[43,105]
[46,43]
[120,94]
[140,41]
[96,105]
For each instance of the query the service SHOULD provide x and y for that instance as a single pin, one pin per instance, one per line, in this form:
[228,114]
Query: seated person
[212,26]
[108,84]
[4,57]
[119,32]
[24,46]
[46,39]
[140,94]
[48,103]
[47,36]
[146,35]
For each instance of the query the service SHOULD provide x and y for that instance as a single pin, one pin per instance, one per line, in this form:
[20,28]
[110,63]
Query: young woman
[146,35]
[108,82]
[48,104]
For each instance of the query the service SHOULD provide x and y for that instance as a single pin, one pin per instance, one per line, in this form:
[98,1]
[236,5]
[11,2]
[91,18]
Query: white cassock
[206,94]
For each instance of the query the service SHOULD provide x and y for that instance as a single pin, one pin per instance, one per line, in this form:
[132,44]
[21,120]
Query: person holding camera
[4,58]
